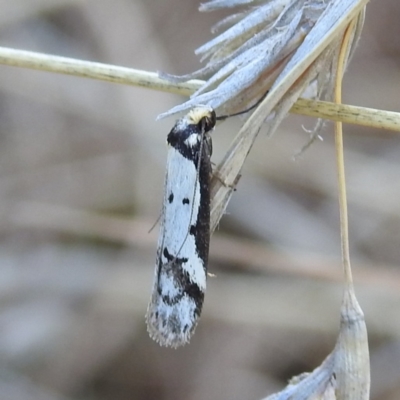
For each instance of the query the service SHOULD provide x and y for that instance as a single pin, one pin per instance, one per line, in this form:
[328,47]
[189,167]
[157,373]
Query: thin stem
[93,70]
[129,76]
[363,116]
[344,224]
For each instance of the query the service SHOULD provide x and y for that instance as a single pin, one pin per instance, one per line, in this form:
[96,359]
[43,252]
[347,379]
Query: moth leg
[215,175]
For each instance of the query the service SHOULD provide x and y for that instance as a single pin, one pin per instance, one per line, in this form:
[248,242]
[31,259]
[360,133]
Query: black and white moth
[183,243]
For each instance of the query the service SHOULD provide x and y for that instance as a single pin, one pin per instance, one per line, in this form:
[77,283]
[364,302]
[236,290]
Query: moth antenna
[256,104]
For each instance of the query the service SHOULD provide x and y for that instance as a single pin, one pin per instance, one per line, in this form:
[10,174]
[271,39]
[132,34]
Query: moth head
[191,129]
[204,117]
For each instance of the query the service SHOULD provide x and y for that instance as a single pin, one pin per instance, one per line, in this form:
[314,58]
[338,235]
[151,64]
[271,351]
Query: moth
[183,244]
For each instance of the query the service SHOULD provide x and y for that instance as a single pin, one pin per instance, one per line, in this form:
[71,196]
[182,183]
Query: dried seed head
[259,40]
[344,374]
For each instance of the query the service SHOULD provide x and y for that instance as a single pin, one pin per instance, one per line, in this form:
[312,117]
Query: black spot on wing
[170,198]
[170,257]
[182,280]
[185,201]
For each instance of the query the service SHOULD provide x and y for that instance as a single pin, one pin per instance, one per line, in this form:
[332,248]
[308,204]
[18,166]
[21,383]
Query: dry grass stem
[341,176]
[93,70]
[351,352]
[379,119]
[373,118]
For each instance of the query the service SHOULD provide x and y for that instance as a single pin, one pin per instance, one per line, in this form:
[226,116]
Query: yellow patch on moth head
[199,113]
[195,115]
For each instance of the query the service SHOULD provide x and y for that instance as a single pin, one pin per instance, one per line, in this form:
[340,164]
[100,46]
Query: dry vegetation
[81,175]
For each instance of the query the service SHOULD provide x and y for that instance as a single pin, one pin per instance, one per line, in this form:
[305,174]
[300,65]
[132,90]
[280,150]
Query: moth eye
[193,230]
[209,121]
[207,124]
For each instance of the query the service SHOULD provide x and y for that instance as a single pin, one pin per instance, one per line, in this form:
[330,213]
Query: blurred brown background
[81,180]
